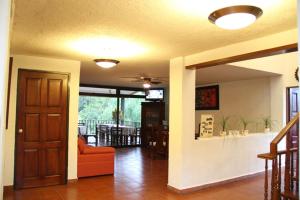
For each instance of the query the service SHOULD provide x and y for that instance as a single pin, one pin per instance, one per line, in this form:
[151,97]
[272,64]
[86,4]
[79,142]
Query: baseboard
[72,180]
[8,188]
[201,187]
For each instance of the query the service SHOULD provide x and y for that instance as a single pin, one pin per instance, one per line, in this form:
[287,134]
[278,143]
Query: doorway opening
[110,116]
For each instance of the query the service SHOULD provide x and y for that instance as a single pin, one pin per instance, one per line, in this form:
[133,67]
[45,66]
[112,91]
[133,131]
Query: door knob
[20,130]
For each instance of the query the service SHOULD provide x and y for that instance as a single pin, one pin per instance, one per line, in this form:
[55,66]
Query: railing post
[292,171]
[266,180]
[287,173]
[275,187]
[279,177]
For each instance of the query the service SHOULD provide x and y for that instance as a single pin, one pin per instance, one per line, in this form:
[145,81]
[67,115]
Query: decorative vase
[222,133]
[267,130]
[245,132]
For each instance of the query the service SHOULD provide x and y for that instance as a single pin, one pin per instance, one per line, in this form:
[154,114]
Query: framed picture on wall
[207,98]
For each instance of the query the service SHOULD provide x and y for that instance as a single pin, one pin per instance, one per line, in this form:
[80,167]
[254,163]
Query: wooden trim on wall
[247,56]
[8,90]
[8,189]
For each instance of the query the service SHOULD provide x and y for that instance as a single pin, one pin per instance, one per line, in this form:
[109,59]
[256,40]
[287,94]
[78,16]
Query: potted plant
[245,123]
[224,123]
[267,124]
[115,117]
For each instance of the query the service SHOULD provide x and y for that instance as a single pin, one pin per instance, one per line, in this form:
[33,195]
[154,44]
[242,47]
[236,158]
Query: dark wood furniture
[41,131]
[153,114]
[158,143]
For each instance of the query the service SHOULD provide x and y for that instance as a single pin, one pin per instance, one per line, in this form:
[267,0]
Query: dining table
[126,131]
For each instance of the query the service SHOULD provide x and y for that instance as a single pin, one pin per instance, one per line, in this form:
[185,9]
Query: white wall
[221,158]
[183,148]
[284,64]
[249,99]
[181,120]
[47,64]
[4,55]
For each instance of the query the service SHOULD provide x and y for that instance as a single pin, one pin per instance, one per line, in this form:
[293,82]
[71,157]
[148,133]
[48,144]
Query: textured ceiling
[142,34]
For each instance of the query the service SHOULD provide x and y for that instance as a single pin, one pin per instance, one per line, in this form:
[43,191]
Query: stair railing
[291,183]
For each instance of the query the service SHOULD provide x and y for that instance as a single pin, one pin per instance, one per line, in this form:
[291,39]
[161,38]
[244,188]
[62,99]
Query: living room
[251,88]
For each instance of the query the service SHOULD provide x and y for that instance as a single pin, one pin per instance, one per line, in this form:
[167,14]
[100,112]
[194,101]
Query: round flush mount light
[235,17]
[106,63]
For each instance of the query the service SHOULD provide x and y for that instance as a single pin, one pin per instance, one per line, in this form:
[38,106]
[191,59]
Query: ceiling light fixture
[106,63]
[235,17]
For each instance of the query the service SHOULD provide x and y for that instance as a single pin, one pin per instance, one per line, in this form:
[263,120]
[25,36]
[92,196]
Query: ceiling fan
[147,81]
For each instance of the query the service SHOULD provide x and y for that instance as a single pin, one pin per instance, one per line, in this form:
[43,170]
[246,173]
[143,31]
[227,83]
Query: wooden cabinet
[153,113]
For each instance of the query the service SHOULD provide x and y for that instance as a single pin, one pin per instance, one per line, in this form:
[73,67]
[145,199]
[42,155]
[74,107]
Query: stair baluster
[291,168]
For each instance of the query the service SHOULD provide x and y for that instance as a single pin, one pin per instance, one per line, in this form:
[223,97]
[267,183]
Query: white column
[277,102]
[4,55]
[181,121]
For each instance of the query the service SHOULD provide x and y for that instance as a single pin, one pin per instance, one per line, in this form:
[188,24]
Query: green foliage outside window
[102,108]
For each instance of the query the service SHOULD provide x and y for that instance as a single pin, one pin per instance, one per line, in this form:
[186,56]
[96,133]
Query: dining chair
[135,137]
[116,136]
[82,130]
[102,133]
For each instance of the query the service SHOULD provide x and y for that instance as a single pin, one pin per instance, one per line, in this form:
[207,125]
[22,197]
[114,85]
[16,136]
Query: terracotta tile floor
[137,177]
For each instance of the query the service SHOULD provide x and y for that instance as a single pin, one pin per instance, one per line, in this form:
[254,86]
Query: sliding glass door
[95,110]
[110,116]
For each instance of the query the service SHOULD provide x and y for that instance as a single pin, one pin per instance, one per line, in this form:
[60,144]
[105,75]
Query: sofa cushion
[81,144]
[97,150]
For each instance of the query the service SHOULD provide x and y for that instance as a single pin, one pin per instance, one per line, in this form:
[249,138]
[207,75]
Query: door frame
[67,118]
[288,106]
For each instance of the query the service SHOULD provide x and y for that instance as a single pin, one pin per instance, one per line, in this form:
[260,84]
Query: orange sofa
[94,161]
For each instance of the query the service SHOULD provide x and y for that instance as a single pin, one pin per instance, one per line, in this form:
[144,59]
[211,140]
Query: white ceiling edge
[274,64]
[229,73]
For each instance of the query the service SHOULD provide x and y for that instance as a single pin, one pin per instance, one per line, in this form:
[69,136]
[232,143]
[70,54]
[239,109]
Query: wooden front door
[41,131]
[292,110]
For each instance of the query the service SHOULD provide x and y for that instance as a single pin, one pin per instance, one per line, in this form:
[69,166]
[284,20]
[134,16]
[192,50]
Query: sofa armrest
[98,150]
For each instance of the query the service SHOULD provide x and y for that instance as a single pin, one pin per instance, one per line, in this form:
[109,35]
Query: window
[96,90]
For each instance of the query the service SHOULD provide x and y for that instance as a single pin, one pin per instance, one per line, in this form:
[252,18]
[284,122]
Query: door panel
[53,124]
[52,162]
[32,128]
[31,163]
[54,92]
[33,92]
[41,129]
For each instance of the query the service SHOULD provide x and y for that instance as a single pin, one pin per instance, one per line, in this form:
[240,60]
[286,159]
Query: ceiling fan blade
[132,77]
[156,82]
[160,78]
[137,81]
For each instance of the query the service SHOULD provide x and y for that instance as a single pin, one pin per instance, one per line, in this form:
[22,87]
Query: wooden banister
[270,156]
[282,134]
[291,173]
